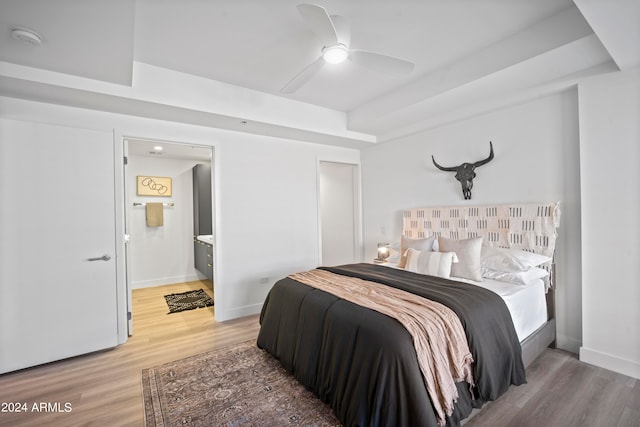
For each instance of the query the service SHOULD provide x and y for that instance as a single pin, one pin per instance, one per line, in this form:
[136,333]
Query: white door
[127,246]
[339,213]
[57,213]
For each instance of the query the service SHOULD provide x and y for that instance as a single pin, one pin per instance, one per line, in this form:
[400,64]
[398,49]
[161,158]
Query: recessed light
[26,36]
[158,148]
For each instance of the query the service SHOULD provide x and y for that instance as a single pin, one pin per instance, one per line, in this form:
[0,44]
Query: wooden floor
[105,388]
[564,392]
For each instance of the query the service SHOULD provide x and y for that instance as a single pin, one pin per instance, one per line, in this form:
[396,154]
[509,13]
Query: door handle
[101,258]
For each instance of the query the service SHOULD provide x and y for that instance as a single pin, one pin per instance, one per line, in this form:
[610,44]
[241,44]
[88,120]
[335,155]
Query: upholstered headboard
[530,227]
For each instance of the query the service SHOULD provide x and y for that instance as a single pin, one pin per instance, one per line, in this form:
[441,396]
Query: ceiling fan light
[335,54]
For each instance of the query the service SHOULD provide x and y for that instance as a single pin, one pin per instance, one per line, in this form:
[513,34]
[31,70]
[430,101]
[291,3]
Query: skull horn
[442,168]
[487,160]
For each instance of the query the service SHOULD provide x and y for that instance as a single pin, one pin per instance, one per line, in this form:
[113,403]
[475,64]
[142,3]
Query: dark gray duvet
[363,363]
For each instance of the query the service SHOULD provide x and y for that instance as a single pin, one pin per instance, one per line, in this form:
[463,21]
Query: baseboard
[235,313]
[164,281]
[610,362]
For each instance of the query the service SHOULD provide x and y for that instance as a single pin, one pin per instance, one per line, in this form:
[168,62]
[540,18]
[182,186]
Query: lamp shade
[383,251]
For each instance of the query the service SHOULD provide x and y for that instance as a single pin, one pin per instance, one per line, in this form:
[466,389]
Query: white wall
[161,255]
[265,196]
[536,159]
[268,215]
[610,147]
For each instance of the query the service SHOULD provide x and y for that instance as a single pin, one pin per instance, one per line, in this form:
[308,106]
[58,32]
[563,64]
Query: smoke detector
[26,36]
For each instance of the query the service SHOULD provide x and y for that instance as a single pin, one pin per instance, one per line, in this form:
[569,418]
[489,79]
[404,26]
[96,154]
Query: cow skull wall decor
[466,172]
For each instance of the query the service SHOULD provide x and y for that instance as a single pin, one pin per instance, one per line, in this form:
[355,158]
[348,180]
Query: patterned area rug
[240,385]
[188,301]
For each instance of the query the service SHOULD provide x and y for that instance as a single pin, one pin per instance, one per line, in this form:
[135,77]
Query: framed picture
[154,186]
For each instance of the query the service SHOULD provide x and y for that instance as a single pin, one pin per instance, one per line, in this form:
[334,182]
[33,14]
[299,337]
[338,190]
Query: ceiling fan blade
[343,29]
[303,76]
[320,22]
[378,62]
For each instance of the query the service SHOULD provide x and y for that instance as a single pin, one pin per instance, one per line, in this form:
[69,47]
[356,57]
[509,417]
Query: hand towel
[154,214]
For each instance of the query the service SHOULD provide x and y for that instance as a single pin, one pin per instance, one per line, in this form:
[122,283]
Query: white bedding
[527,304]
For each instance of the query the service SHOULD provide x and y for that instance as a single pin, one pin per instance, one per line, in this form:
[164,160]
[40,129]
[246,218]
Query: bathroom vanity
[203,247]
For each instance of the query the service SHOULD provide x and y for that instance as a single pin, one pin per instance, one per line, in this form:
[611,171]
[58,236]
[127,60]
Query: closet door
[57,243]
[339,213]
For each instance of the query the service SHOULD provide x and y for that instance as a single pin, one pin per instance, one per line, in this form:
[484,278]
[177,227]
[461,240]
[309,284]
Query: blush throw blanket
[438,336]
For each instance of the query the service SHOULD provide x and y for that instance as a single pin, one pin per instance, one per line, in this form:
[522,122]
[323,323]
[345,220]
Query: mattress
[526,303]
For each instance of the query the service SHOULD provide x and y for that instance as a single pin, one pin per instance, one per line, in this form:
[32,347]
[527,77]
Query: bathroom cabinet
[203,258]
[202,218]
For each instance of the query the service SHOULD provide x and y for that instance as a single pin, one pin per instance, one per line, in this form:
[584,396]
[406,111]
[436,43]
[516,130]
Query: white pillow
[431,263]
[518,277]
[419,244]
[468,252]
[511,260]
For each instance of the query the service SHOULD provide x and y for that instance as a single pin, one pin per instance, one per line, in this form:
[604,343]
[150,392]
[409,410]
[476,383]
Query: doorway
[163,253]
[340,230]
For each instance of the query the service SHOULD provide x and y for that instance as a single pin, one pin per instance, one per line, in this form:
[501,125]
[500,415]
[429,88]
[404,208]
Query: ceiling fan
[335,34]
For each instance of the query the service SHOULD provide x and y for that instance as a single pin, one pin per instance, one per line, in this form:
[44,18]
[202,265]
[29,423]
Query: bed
[363,361]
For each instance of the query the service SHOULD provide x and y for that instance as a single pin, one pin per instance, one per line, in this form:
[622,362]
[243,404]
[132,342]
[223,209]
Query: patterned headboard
[529,227]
